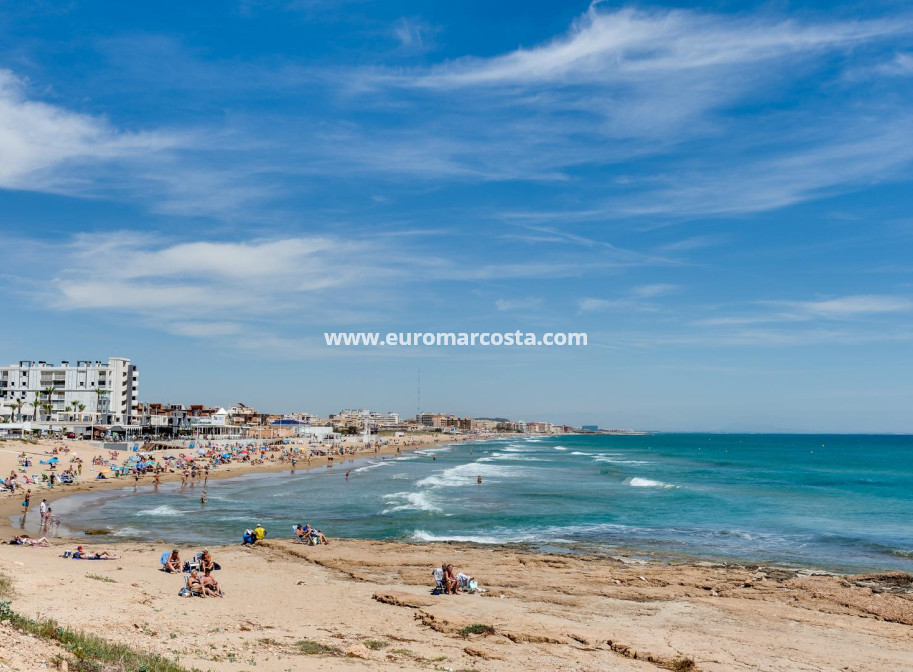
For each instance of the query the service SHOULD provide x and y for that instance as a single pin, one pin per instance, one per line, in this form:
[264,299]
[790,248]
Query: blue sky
[719,195]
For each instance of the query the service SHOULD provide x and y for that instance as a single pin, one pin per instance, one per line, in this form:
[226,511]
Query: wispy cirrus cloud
[413,34]
[850,307]
[628,44]
[46,148]
[49,148]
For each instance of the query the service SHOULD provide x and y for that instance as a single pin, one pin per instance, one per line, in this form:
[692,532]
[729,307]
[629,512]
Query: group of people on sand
[205,584]
[450,582]
[308,535]
[253,536]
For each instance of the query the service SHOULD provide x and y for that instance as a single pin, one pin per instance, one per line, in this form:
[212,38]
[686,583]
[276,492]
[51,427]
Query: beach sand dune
[358,603]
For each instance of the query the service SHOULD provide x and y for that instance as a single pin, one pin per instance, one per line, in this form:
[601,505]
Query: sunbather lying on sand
[26,541]
[82,554]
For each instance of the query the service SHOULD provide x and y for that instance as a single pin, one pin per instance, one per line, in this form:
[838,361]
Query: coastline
[11,505]
[357,603]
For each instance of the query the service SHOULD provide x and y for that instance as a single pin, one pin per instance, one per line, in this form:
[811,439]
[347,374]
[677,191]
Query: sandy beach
[370,603]
[42,449]
[357,604]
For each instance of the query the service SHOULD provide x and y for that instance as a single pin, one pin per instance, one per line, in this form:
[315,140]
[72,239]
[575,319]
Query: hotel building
[84,392]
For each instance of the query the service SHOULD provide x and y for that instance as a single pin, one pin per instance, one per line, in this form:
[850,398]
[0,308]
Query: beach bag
[184,592]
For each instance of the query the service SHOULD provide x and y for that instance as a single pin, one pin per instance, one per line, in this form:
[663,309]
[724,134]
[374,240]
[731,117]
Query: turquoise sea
[842,503]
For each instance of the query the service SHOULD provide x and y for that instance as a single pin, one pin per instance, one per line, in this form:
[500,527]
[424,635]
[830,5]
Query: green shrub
[313,648]
[476,629]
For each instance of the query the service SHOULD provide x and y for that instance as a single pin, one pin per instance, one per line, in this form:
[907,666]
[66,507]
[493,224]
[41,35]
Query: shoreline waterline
[675,502]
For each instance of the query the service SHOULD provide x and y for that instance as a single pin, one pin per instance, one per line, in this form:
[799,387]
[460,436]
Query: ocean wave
[375,465]
[559,448]
[604,459]
[128,532]
[163,510]
[577,452]
[505,538]
[648,483]
[902,553]
[466,474]
[410,501]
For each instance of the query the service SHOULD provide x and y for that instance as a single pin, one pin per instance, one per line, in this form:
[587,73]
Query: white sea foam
[603,459]
[577,452]
[648,483]
[466,474]
[375,465]
[163,510]
[410,501]
[128,532]
[560,448]
[516,537]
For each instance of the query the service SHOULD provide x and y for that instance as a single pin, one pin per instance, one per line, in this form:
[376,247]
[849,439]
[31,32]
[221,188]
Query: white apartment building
[362,416]
[84,392]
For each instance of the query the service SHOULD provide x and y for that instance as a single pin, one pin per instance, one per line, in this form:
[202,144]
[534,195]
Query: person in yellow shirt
[259,532]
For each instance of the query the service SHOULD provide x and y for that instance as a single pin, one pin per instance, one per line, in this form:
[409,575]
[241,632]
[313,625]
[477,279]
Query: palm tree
[48,391]
[99,393]
[35,405]
[17,407]
[81,408]
[47,409]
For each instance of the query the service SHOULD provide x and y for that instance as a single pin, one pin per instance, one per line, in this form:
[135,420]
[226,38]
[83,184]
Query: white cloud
[629,44]
[414,34]
[654,290]
[852,306]
[833,309]
[590,305]
[857,155]
[527,303]
[43,147]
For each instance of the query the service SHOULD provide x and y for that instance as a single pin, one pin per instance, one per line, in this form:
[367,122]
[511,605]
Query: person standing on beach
[43,512]
[26,502]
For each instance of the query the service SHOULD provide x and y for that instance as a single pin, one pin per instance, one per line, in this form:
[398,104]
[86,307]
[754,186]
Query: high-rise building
[87,391]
